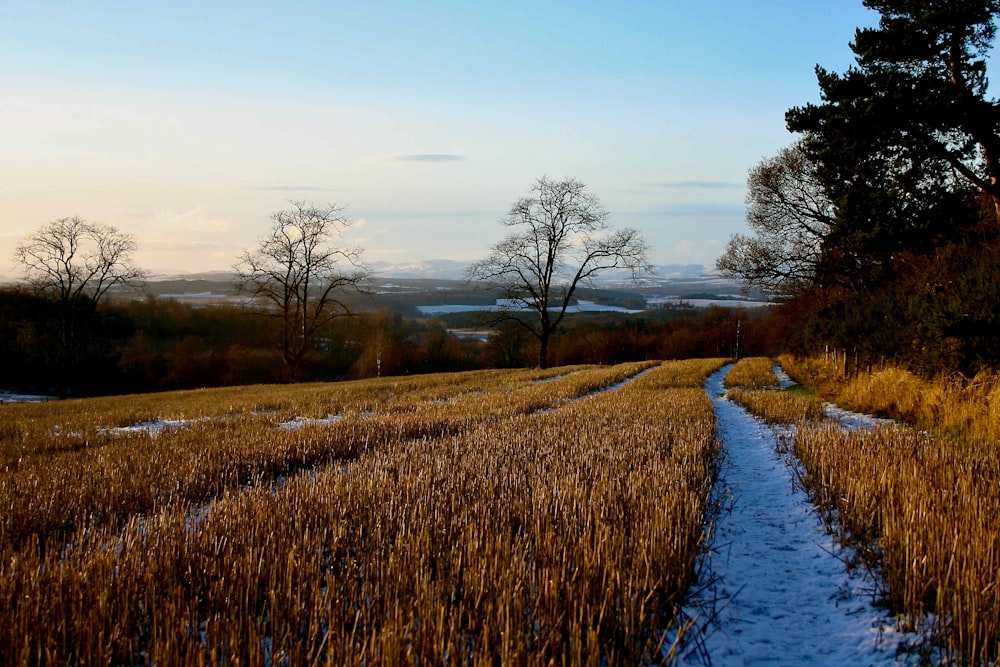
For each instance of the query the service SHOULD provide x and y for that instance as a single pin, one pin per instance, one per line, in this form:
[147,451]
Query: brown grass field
[494,517]
[926,510]
[966,407]
[751,373]
[477,518]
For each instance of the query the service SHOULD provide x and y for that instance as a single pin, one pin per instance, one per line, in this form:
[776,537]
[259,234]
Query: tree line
[879,225]
[153,344]
[61,332]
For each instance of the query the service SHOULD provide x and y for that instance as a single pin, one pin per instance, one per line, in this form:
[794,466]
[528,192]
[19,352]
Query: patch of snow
[58,432]
[299,422]
[610,387]
[773,586]
[549,379]
[153,428]
[445,309]
[846,418]
[508,305]
[705,303]
[784,379]
[853,420]
[592,307]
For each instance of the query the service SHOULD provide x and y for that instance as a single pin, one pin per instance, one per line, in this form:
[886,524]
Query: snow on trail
[772,590]
[846,418]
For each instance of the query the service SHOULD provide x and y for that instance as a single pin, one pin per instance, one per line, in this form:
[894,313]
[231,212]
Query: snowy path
[772,591]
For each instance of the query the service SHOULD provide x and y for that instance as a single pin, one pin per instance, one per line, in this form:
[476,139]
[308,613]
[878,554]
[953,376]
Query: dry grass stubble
[751,373]
[927,511]
[527,538]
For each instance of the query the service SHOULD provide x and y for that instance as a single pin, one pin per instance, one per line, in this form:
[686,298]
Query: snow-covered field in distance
[685,285]
[10,397]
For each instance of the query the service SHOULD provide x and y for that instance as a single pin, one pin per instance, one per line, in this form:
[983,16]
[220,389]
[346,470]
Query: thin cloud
[402,215]
[185,247]
[425,157]
[170,222]
[701,185]
[691,209]
[294,188]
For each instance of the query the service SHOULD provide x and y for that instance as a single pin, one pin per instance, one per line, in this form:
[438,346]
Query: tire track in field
[771,587]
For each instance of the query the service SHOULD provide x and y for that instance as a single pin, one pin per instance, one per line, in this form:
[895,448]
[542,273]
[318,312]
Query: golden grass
[751,373]
[779,407]
[690,373]
[958,406]
[71,424]
[49,486]
[526,537]
[927,511]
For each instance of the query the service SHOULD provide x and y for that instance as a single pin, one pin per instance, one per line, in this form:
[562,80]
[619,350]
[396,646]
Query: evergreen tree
[903,139]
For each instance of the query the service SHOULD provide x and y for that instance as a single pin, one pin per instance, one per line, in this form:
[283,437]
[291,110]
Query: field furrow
[113,475]
[530,534]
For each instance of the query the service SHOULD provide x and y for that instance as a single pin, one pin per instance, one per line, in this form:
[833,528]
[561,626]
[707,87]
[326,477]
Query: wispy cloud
[168,223]
[424,157]
[700,185]
[184,247]
[689,211]
[403,215]
[294,188]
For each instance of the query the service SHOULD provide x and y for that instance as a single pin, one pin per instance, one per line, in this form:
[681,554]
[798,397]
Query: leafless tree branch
[562,238]
[300,275]
[791,216]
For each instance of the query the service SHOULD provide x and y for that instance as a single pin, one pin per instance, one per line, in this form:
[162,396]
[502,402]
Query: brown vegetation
[83,472]
[926,511]
[527,530]
[779,407]
[751,373]
[967,407]
[746,381]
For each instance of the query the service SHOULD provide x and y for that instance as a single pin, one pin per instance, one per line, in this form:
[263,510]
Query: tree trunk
[543,350]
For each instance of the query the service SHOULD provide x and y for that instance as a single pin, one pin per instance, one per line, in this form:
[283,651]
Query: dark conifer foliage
[913,117]
[904,149]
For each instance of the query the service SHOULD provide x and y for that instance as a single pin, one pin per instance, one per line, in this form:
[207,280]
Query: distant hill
[207,276]
[450,269]
[436,269]
[442,278]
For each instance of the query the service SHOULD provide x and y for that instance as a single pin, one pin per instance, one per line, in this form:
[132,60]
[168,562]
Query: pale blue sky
[188,123]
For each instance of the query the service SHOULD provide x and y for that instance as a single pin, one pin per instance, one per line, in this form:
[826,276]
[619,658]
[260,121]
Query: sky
[187,124]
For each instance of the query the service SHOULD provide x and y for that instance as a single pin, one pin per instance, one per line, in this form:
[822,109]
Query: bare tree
[562,238]
[72,259]
[296,270]
[75,263]
[791,216]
